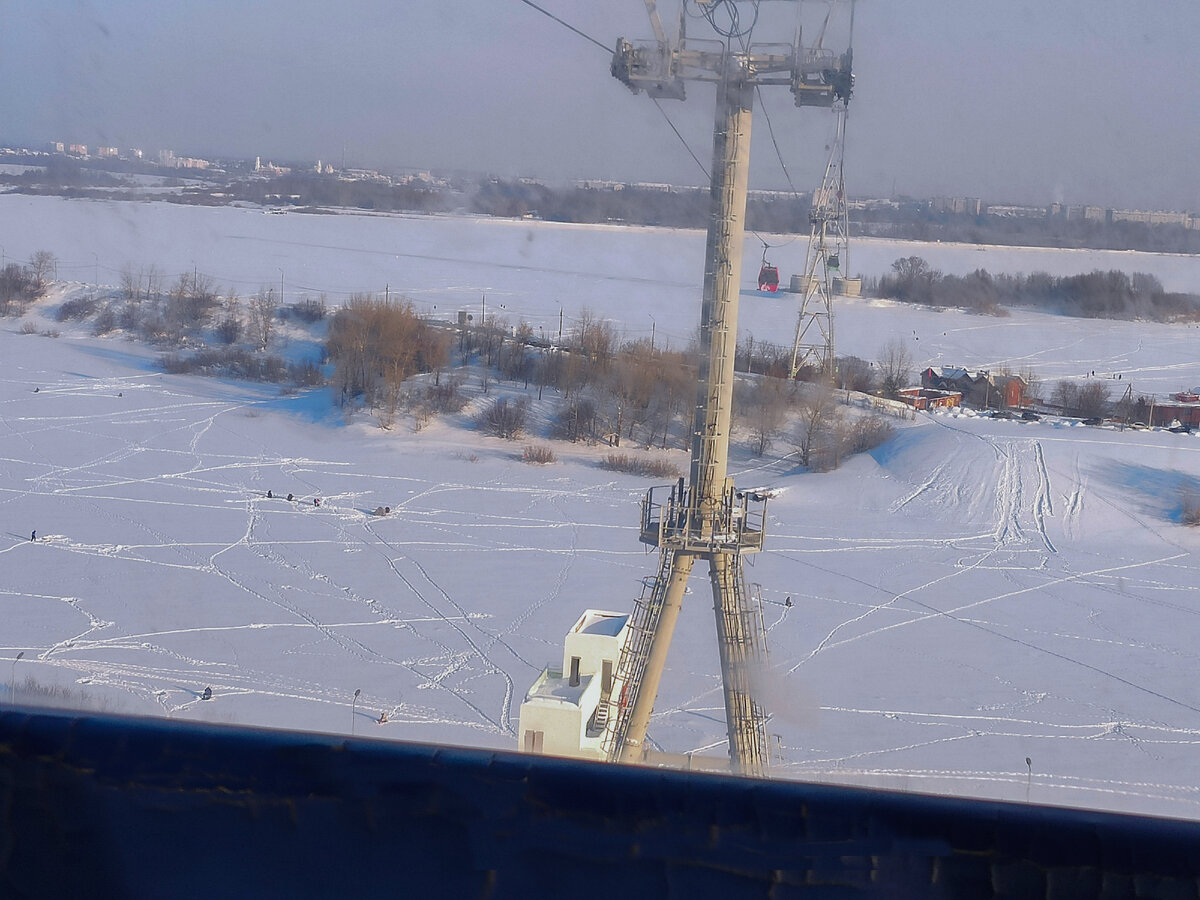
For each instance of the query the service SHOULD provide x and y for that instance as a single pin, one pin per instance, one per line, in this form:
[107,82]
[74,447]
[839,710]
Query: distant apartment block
[971,206]
[1155,217]
[77,150]
[1017,212]
[56,147]
[1108,216]
[107,152]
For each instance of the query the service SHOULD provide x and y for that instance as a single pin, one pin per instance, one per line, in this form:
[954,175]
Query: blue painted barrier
[105,806]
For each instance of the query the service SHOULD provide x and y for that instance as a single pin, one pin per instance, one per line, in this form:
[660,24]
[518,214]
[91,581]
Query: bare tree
[854,374]
[895,367]
[816,435]
[42,263]
[262,316]
[1065,395]
[1033,385]
[229,328]
[764,408]
[1093,399]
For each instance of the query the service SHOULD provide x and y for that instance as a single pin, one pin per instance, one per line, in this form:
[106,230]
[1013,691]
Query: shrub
[637,465]
[538,453]
[446,397]
[78,308]
[106,321]
[130,318]
[306,374]
[229,329]
[227,362]
[28,327]
[505,418]
[308,310]
[56,696]
[869,432]
[1190,508]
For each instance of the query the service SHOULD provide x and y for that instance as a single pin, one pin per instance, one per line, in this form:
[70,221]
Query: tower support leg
[646,692]
[743,661]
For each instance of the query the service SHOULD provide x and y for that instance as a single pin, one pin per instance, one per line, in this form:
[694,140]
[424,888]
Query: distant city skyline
[1080,102]
[958,204]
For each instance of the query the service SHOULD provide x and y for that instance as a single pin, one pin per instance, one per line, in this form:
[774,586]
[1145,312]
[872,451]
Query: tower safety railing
[672,519]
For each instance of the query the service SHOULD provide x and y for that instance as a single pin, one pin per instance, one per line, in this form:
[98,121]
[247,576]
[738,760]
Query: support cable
[682,139]
[608,51]
[570,27]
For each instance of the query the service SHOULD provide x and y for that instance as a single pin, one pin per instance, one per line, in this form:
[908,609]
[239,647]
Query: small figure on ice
[270,496]
[788,602]
[33,535]
[382,720]
[207,695]
[291,498]
[316,501]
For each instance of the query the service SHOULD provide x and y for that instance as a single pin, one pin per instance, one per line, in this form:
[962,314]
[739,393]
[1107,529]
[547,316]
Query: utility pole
[708,519]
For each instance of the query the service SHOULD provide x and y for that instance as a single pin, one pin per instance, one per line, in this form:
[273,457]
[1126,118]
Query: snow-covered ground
[974,593]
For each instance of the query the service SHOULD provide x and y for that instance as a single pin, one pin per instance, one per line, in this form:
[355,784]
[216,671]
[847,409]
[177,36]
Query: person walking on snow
[33,535]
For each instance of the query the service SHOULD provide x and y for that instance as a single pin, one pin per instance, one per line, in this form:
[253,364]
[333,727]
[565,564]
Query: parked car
[1093,420]
[1030,416]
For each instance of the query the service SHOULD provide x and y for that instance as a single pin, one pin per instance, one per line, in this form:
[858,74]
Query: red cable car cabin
[768,278]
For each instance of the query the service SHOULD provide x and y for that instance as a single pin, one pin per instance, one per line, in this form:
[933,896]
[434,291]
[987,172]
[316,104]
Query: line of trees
[1099,294]
[612,392]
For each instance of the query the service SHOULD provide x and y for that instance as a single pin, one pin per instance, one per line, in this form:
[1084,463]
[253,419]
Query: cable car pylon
[707,518]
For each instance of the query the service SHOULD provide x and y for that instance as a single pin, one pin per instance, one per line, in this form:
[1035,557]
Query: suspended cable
[682,139]
[608,50]
[744,41]
[570,27]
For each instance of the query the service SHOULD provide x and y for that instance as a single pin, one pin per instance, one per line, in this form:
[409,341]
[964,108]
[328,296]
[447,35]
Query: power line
[588,37]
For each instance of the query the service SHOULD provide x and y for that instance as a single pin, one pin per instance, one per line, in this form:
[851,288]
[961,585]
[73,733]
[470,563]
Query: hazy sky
[1079,100]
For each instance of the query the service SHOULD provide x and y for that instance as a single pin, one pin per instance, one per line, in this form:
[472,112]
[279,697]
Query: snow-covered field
[973,594]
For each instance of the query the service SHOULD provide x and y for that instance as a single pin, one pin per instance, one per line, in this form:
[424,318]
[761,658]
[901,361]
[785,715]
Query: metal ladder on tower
[627,681]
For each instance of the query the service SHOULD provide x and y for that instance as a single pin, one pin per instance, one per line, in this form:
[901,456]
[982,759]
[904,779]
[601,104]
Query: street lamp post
[280,285]
[354,709]
[12,680]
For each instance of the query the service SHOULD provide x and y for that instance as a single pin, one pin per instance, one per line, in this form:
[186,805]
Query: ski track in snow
[88,483]
[1024,509]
